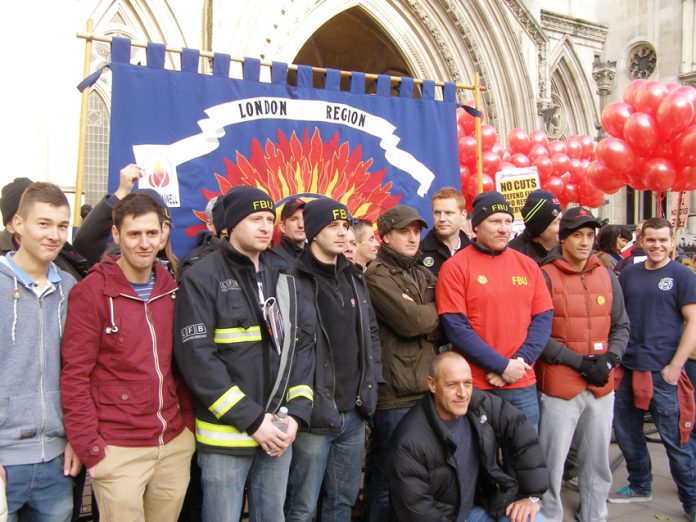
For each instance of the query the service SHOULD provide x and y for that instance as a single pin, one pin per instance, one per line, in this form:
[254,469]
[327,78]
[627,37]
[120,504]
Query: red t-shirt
[498,295]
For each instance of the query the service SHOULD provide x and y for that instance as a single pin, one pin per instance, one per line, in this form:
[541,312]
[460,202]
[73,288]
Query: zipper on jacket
[42,383]
[333,366]
[358,400]
[158,370]
[587,309]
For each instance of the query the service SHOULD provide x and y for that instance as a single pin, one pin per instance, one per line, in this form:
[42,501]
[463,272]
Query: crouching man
[444,462]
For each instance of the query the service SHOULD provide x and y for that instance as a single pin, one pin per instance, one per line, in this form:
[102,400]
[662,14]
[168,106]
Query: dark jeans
[628,428]
[376,486]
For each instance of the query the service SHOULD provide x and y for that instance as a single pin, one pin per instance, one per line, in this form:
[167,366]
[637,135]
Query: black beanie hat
[157,197]
[540,209]
[488,203]
[320,212]
[11,194]
[239,202]
[219,214]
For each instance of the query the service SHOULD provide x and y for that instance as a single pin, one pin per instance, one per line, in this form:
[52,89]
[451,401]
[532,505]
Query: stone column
[603,73]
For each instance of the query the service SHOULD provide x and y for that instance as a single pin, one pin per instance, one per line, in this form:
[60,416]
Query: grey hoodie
[31,327]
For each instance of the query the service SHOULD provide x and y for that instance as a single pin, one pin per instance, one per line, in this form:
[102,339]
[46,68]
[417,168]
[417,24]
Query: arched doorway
[353,41]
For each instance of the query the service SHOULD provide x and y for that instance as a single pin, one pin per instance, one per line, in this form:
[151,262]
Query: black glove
[598,373]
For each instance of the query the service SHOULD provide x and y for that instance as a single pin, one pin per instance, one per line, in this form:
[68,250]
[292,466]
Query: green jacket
[409,330]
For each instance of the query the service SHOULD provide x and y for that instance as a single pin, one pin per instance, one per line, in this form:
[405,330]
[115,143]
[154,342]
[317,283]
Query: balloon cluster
[561,165]
[653,139]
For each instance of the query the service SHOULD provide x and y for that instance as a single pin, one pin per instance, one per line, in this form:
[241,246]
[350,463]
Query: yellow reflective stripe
[228,436]
[226,401]
[300,391]
[237,335]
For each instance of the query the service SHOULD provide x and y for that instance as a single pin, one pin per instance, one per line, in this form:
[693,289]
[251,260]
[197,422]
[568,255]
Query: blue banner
[198,135]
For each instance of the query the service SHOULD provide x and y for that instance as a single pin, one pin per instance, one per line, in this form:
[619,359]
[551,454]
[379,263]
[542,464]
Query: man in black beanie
[542,216]
[495,307]
[243,342]
[348,370]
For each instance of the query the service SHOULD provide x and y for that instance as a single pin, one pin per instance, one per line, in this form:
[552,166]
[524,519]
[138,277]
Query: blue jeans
[376,486]
[524,399]
[223,478]
[334,459]
[628,428]
[690,369]
[478,514]
[40,491]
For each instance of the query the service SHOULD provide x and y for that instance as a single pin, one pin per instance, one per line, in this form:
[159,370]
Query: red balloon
[489,136]
[499,150]
[671,86]
[465,121]
[538,137]
[649,96]
[689,92]
[629,95]
[641,134]
[554,185]
[571,192]
[686,179]
[506,165]
[594,200]
[604,178]
[616,154]
[659,174]
[491,162]
[467,149]
[574,148]
[544,166]
[561,163]
[588,146]
[576,170]
[520,160]
[675,113]
[684,147]
[519,141]
[557,147]
[506,156]
[536,151]
[464,173]
[472,184]
[614,117]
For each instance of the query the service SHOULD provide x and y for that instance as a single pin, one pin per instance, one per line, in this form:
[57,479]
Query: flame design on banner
[311,168]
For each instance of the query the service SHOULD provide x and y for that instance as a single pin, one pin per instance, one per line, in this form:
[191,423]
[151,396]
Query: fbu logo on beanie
[339,213]
[262,204]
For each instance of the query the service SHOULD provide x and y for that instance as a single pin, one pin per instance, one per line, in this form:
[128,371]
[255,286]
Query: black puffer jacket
[422,471]
[325,415]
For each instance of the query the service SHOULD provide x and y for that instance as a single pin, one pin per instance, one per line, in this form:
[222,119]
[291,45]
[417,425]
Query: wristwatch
[535,500]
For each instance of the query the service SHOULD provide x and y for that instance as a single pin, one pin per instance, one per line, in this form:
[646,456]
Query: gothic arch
[440,40]
[573,108]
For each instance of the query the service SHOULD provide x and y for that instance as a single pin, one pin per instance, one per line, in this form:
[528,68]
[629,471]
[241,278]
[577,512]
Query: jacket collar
[115,282]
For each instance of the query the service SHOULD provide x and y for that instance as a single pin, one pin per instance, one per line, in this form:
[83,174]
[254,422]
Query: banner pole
[477,130]
[83,130]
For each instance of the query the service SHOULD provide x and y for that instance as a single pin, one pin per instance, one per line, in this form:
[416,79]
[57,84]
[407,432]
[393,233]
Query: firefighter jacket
[326,419]
[238,363]
[589,319]
[118,384]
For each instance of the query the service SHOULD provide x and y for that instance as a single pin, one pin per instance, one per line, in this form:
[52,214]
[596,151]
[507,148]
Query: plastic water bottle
[280,419]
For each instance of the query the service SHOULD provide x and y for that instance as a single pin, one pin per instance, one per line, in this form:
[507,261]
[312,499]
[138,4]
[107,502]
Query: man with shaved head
[456,423]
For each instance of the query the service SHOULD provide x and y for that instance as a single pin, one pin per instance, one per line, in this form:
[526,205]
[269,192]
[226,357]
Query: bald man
[445,427]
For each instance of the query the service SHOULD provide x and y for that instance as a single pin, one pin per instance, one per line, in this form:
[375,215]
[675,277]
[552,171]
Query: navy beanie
[239,202]
[540,209]
[11,194]
[488,203]
[219,214]
[320,212]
